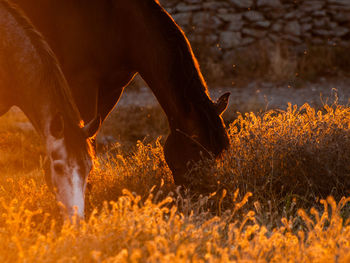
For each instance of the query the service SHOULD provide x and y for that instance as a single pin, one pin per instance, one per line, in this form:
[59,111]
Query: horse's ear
[222,103]
[92,127]
[57,126]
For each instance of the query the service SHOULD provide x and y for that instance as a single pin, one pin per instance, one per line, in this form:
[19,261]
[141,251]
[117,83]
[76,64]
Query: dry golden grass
[301,151]
[280,161]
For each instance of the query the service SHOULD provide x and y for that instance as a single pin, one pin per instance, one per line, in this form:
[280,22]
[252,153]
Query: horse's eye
[59,168]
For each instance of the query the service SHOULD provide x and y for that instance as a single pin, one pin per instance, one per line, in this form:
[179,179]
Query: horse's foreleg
[107,101]
[110,92]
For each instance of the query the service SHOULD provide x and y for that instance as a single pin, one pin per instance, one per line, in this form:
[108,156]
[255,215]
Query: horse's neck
[42,99]
[38,111]
[32,89]
[19,65]
[33,94]
[165,60]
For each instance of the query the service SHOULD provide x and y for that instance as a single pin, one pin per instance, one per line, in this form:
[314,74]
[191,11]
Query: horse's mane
[186,73]
[185,59]
[52,74]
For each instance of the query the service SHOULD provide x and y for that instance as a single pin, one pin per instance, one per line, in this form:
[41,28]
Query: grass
[285,164]
[146,124]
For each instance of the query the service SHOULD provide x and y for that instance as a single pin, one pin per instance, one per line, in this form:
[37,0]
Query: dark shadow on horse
[101,45]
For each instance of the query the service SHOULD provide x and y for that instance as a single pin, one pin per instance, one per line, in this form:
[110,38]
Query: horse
[103,44]
[30,78]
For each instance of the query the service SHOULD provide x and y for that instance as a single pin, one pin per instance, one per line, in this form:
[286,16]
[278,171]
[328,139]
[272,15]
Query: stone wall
[224,27]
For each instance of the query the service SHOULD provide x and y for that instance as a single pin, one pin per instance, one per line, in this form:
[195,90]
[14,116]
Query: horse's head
[202,135]
[69,161]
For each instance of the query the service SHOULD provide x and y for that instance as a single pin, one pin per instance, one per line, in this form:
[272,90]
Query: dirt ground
[260,95]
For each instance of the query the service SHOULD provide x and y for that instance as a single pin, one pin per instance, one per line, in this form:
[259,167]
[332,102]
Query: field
[279,194]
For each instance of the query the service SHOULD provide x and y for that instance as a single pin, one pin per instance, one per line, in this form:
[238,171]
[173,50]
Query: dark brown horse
[31,79]
[102,44]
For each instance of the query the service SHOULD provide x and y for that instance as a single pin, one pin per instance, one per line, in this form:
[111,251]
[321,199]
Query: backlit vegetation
[284,163]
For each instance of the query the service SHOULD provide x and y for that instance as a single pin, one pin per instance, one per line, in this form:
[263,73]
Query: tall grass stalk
[285,164]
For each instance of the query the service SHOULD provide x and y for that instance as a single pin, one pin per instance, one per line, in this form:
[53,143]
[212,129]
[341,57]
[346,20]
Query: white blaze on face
[78,189]
[71,191]
[70,187]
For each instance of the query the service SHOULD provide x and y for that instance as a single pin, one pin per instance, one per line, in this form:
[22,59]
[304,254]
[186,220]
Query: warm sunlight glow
[153,227]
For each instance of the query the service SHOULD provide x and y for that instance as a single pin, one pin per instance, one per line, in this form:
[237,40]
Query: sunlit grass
[280,161]
[18,143]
